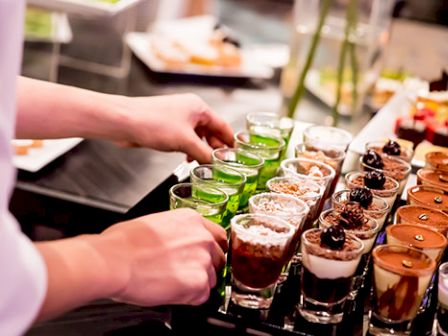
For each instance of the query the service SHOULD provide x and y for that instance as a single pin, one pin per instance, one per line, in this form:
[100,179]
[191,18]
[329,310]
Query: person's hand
[166,258]
[175,123]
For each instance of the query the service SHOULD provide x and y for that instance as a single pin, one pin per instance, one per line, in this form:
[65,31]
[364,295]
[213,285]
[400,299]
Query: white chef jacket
[23,274]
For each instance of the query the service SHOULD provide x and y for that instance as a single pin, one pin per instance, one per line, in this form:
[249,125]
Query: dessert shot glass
[437,161]
[259,246]
[434,178]
[442,295]
[391,147]
[210,202]
[401,276]
[381,186]
[428,196]
[327,274]
[326,135]
[224,178]
[244,162]
[305,190]
[423,215]
[377,208]
[265,145]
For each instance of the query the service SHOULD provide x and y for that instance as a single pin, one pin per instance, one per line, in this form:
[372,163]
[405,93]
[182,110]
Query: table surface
[101,175]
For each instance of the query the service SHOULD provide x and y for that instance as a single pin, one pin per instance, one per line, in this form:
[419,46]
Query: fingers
[216,126]
[218,257]
[218,233]
[212,277]
[215,142]
[196,149]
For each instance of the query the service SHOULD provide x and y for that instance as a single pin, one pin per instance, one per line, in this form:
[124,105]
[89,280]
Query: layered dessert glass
[330,258]
[428,196]
[332,156]
[353,220]
[437,161]
[431,177]
[373,206]
[417,214]
[284,125]
[392,148]
[224,178]
[244,162]
[401,276]
[209,201]
[310,170]
[326,135]
[266,145]
[259,248]
[420,237]
[305,190]
[390,166]
[286,207]
[380,185]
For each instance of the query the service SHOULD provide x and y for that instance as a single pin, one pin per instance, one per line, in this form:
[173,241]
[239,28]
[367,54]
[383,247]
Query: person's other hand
[175,123]
[166,258]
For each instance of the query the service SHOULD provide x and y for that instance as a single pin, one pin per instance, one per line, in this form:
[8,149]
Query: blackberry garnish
[392,148]
[373,159]
[361,195]
[374,180]
[333,237]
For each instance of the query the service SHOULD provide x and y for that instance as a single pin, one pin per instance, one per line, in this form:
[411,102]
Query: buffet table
[84,195]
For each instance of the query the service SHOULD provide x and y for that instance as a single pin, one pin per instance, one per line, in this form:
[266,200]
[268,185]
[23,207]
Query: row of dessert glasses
[403,269]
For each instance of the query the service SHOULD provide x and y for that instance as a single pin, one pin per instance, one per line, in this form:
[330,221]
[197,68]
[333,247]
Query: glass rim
[356,253]
[390,228]
[432,188]
[252,115]
[303,211]
[347,134]
[197,200]
[383,210]
[317,163]
[426,208]
[371,232]
[297,180]
[338,159]
[421,174]
[421,272]
[406,170]
[280,147]
[236,164]
[223,167]
[443,270]
[240,228]
[355,173]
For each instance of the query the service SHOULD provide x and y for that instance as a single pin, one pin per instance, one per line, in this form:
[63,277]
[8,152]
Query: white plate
[37,158]
[84,7]
[139,43]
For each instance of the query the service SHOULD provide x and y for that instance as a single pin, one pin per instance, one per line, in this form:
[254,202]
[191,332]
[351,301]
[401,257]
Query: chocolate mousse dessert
[390,166]
[381,186]
[401,276]
[373,206]
[392,148]
[437,161]
[428,196]
[417,214]
[421,237]
[330,258]
[435,178]
[352,218]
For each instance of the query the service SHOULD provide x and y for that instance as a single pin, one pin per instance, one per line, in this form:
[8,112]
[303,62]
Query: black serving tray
[219,316]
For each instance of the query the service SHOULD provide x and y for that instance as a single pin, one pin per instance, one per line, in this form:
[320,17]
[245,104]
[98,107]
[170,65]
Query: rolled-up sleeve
[23,276]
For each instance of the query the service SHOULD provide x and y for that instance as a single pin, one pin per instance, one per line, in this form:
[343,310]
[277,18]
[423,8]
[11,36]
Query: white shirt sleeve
[23,275]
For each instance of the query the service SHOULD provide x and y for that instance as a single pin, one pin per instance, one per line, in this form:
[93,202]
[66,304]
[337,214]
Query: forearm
[79,271]
[48,110]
